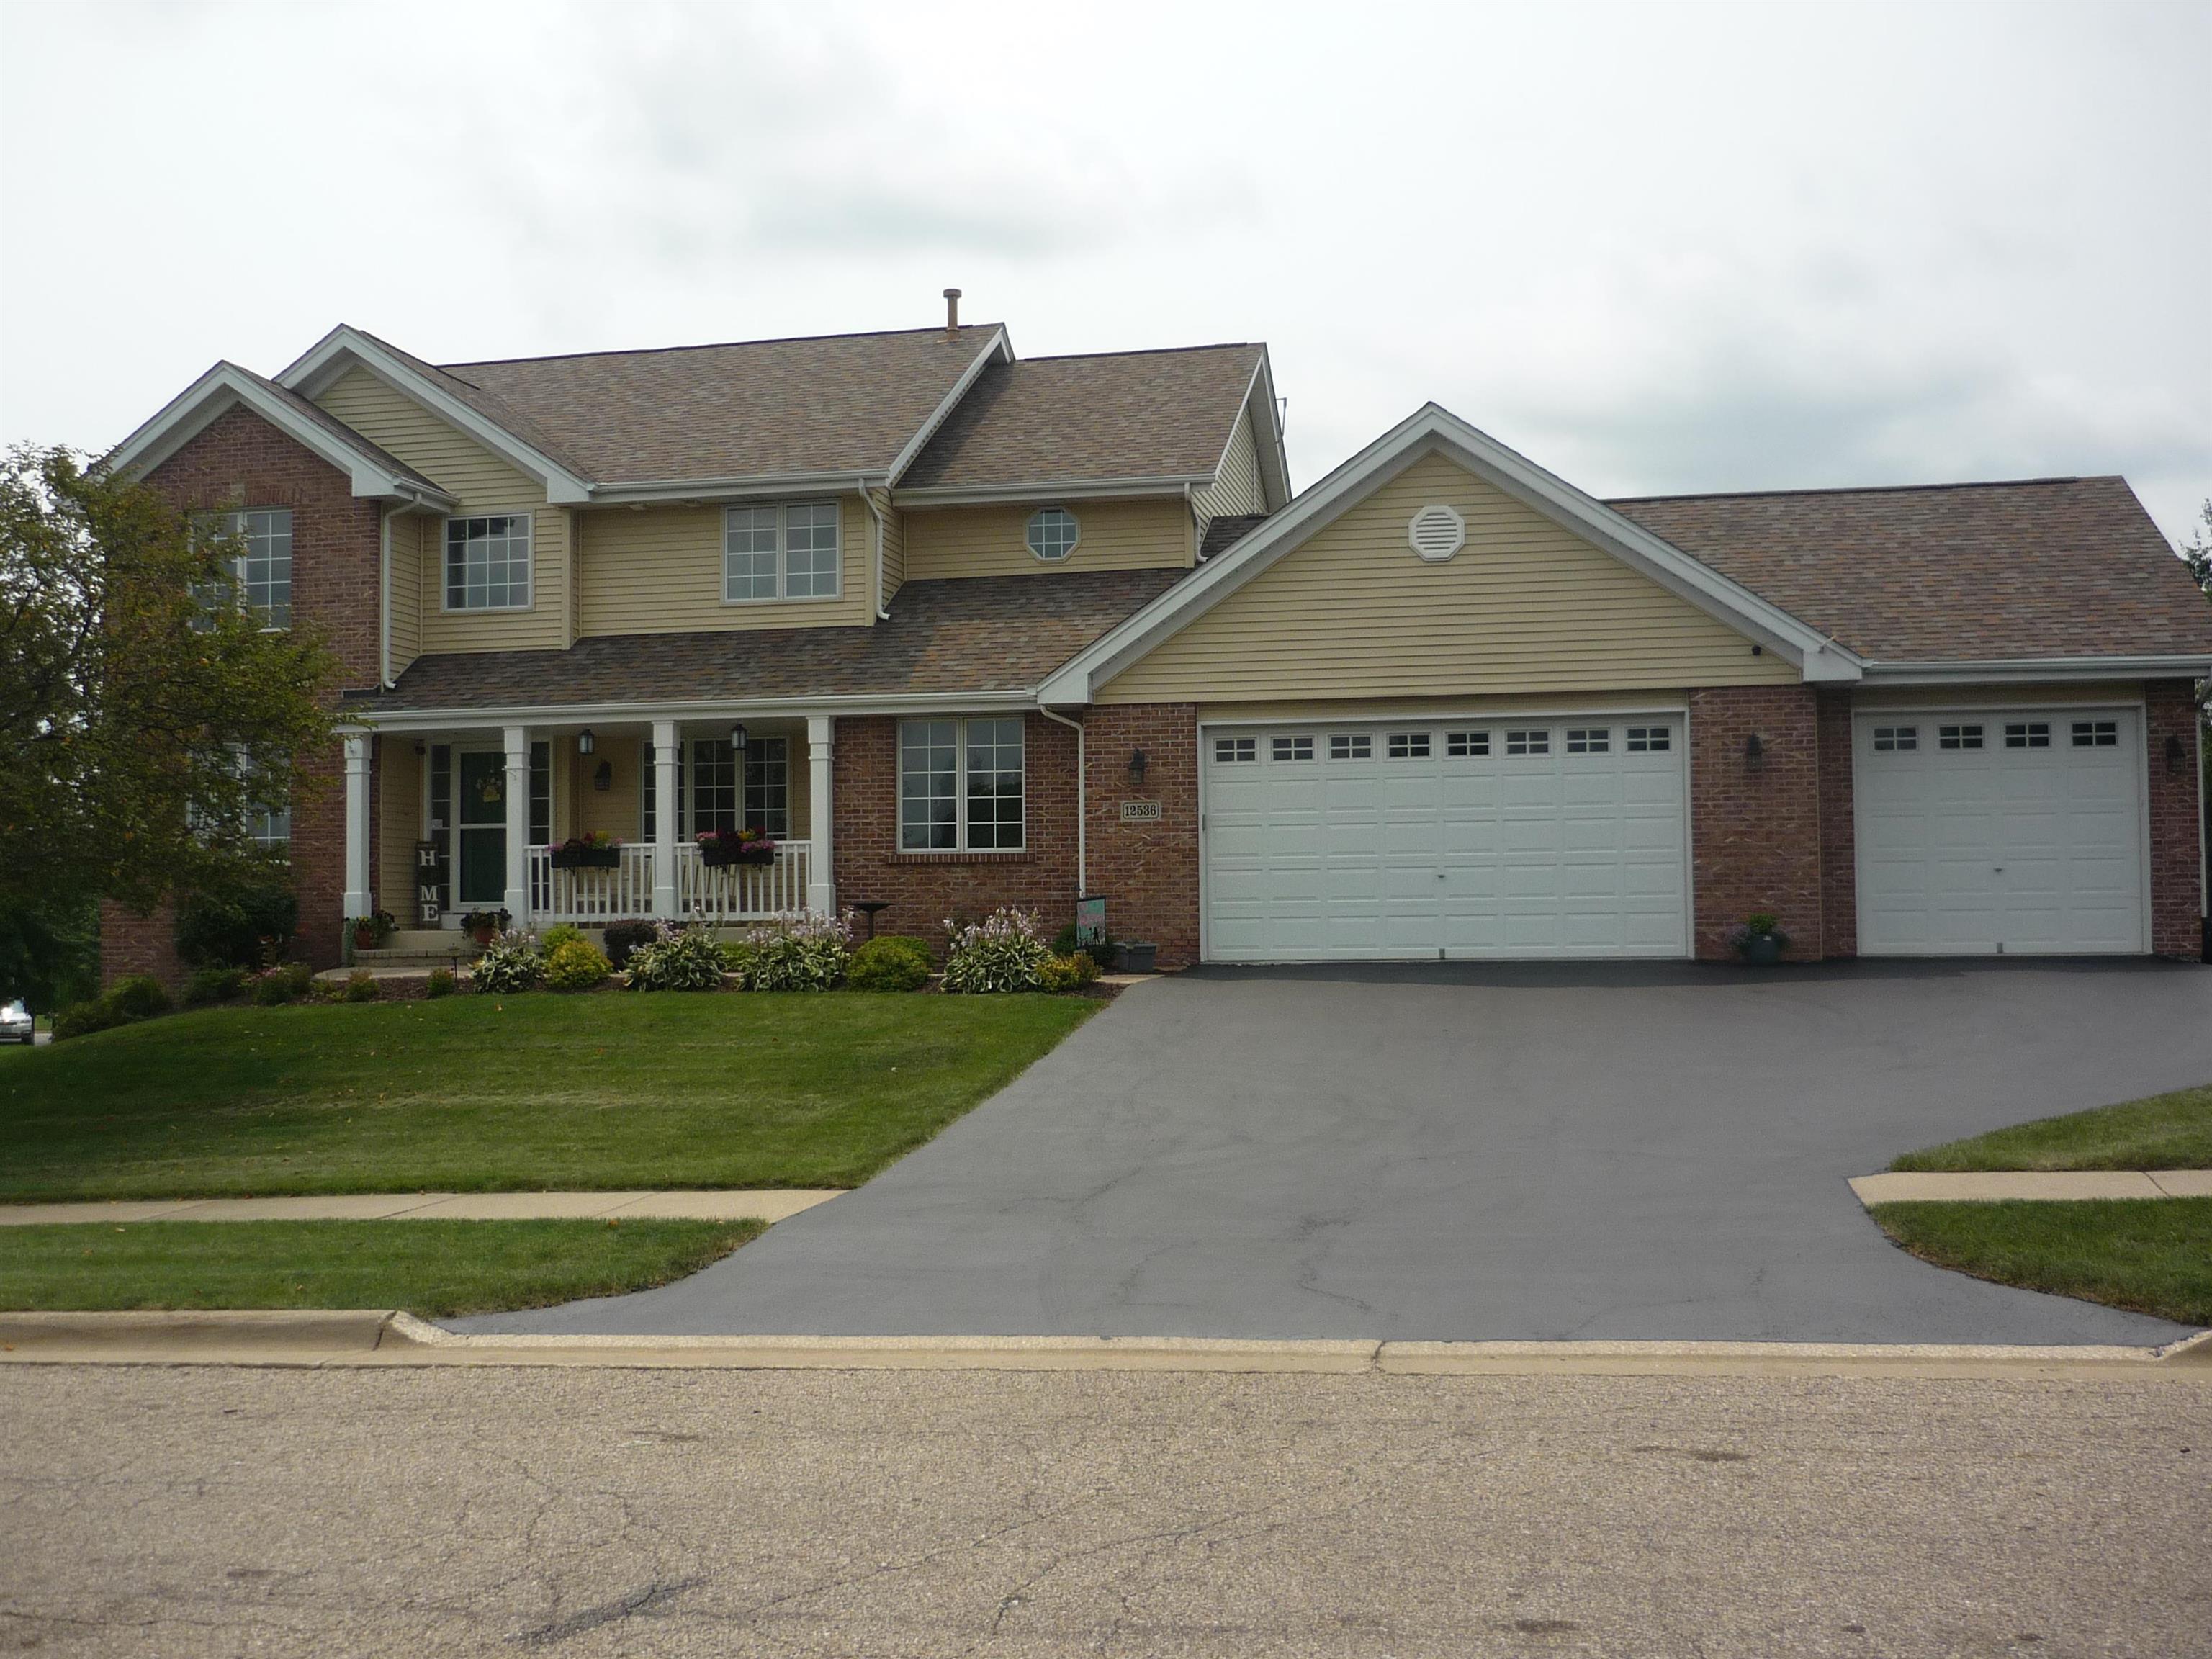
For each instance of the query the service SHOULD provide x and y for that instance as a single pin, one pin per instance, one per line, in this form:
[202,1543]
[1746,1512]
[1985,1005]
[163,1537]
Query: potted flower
[370,932]
[596,851]
[1760,941]
[721,848]
[483,925]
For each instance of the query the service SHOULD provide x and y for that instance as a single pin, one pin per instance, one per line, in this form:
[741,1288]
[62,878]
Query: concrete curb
[378,1337]
[2045,1186]
[769,1204]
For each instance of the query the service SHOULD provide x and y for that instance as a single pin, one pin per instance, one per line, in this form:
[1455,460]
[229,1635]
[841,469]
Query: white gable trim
[344,348]
[1274,460]
[226,387]
[1000,350]
[1433,430]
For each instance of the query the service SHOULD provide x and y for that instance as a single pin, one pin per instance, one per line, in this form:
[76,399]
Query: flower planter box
[722,857]
[587,858]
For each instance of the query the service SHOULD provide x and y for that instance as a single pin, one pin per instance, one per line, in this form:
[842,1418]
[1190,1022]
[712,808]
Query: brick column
[1147,869]
[1755,830]
[1839,870]
[2177,891]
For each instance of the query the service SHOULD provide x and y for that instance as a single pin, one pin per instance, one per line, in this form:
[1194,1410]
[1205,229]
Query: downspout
[876,512]
[1082,814]
[384,597]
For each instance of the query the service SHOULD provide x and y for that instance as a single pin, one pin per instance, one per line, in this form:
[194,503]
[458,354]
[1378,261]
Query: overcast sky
[1656,248]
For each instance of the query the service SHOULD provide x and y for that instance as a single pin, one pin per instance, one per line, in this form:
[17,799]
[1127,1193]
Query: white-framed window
[1290,749]
[261,571]
[1465,744]
[1650,739]
[1536,741]
[1958,737]
[1895,740]
[1408,746]
[2027,734]
[487,562]
[780,551]
[960,785]
[2096,734]
[1053,533]
[1234,751]
[1589,739]
[768,786]
[1351,745]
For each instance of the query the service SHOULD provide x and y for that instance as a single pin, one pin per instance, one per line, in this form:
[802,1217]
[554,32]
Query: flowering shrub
[1002,952]
[575,964]
[512,962]
[800,950]
[676,959]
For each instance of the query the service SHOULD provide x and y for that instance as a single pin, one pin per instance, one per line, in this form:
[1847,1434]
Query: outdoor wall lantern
[586,742]
[604,778]
[1754,752]
[2175,753]
[1137,764]
[738,737]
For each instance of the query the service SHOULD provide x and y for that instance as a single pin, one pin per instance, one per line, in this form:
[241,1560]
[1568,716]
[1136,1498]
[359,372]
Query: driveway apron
[1469,1152]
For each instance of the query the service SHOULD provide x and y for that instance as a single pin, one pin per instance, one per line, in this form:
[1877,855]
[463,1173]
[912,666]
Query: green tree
[144,712]
[2197,551]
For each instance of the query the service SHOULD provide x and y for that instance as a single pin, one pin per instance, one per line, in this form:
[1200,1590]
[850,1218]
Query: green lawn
[428,1267]
[511,1093]
[2152,1255]
[2166,1132]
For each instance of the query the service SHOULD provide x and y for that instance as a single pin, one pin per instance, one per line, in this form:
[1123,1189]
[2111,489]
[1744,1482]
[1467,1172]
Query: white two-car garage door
[2010,831]
[1522,837]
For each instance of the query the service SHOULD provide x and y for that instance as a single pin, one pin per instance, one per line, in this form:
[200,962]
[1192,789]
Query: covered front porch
[445,819]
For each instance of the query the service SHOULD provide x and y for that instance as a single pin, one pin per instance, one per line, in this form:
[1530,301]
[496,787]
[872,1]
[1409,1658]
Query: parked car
[15,1023]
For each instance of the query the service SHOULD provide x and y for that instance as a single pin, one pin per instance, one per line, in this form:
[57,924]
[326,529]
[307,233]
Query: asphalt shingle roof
[338,429]
[1075,420]
[980,634]
[1960,573]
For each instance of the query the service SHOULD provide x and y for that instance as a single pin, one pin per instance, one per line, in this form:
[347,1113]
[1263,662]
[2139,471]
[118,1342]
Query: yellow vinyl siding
[659,571]
[409,531]
[1525,606]
[484,483]
[1337,711]
[1237,489]
[398,824]
[994,541]
[620,809]
[894,545]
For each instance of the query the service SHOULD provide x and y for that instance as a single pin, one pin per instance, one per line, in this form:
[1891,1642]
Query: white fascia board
[2006,670]
[1047,489]
[1274,458]
[330,358]
[999,349]
[1431,429]
[225,388]
[914,702]
[705,490]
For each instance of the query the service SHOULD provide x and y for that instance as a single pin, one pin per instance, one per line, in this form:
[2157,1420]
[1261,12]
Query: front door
[481,813]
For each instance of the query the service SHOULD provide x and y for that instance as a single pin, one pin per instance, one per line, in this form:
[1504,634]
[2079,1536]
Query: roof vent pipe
[952,311]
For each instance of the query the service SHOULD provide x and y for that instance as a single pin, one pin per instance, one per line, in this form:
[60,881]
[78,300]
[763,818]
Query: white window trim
[445,568]
[237,563]
[783,552]
[960,849]
[1029,525]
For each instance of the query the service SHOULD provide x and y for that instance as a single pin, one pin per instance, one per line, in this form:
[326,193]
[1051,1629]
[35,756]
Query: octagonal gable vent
[1437,533]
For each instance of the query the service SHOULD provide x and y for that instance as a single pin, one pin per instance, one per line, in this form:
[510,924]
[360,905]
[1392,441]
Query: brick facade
[1755,832]
[925,889]
[240,460]
[1839,868]
[2176,848]
[1148,872]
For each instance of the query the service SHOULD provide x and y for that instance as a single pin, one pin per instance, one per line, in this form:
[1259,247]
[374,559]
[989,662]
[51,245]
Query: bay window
[960,785]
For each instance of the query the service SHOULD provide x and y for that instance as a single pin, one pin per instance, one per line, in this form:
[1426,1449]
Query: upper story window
[487,562]
[1054,533]
[785,551]
[262,569]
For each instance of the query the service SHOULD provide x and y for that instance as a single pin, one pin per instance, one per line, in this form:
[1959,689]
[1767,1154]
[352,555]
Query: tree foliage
[145,713]
[2197,551]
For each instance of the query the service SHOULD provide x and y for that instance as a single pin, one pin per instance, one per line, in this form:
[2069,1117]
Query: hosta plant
[800,950]
[512,962]
[1002,953]
[676,959]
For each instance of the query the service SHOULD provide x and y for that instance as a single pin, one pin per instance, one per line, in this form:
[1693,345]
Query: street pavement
[187,1512]
[1654,1151]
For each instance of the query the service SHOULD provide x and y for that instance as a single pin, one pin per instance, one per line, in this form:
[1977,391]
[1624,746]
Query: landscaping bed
[2163,1132]
[534,1092]
[2153,1256]
[431,1268]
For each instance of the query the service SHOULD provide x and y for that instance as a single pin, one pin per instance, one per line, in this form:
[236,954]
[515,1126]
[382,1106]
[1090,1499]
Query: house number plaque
[1140,811]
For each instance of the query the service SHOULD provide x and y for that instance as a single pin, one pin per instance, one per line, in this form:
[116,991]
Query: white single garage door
[1454,838]
[2008,830]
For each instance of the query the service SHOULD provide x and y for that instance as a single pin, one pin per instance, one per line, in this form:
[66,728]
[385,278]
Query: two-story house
[960,628]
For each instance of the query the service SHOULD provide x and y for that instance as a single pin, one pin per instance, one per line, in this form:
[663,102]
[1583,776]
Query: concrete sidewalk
[765,1204]
[1987,1186]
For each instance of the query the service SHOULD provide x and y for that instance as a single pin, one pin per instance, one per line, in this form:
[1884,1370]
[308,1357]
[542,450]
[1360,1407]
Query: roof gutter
[368,717]
[1061,488]
[1082,814]
[1999,669]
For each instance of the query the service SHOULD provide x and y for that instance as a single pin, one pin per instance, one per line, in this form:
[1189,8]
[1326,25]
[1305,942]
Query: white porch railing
[732,893]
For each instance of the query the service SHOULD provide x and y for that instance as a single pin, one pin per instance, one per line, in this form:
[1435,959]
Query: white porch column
[664,819]
[517,902]
[821,870]
[358,899]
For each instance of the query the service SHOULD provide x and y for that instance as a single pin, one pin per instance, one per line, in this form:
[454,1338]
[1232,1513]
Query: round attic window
[1053,533]
[1437,533]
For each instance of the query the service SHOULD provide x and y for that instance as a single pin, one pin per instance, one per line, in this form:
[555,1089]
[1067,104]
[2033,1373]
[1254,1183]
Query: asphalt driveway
[1469,1152]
